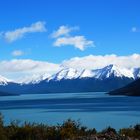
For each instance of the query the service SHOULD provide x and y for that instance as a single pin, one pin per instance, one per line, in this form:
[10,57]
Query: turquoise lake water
[94,109]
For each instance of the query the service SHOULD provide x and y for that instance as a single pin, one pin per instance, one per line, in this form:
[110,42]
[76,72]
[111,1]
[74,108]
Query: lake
[94,109]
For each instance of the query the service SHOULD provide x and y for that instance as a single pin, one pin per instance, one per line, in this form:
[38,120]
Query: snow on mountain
[90,73]
[86,73]
[34,79]
[106,72]
[68,73]
[136,72]
[113,70]
[3,80]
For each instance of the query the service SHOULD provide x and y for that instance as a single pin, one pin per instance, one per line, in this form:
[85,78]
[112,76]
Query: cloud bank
[11,36]
[20,68]
[99,61]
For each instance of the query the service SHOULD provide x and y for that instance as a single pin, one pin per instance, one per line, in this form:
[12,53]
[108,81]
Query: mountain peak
[103,73]
[109,71]
[3,80]
[112,66]
[136,73]
[115,71]
[66,73]
[34,79]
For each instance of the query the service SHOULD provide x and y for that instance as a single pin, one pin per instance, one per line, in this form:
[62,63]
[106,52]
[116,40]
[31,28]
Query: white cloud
[64,38]
[20,68]
[135,29]
[99,61]
[79,42]
[63,31]
[26,68]
[17,53]
[11,36]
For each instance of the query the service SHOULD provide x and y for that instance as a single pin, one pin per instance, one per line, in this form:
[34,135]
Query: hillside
[132,89]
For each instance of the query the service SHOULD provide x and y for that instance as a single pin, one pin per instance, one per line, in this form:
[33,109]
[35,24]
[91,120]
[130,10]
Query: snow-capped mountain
[106,72]
[68,73]
[72,80]
[8,87]
[34,79]
[113,71]
[3,80]
[103,73]
[109,71]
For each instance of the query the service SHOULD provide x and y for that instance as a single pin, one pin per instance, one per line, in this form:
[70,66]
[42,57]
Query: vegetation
[69,130]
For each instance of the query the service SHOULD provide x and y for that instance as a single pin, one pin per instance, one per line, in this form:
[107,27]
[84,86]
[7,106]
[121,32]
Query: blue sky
[106,22]
[104,27]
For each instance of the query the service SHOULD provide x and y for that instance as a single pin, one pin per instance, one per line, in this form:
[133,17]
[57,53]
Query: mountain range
[72,80]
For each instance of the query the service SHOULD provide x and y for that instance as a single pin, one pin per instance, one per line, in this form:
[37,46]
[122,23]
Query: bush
[70,129]
[109,130]
[131,132]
